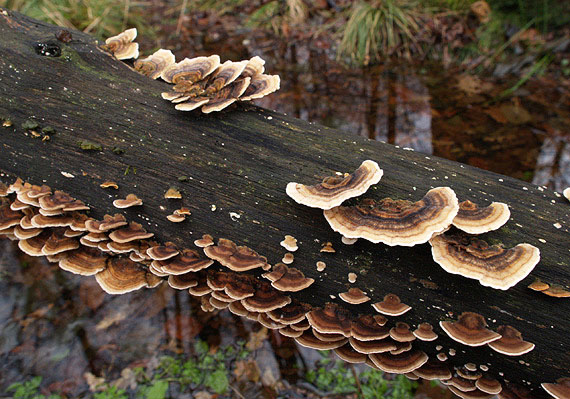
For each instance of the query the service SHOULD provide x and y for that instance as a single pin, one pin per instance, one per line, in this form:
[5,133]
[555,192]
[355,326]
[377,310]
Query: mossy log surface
[240,161]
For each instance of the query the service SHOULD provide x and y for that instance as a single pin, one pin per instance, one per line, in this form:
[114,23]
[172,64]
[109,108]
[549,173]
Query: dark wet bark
[240,161]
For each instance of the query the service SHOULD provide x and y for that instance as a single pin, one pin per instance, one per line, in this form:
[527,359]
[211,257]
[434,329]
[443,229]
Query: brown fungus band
[235,258]
[469,330]
[122,46]
[396,222]
[492,265]
[475,220]
[153,65]
[334,190]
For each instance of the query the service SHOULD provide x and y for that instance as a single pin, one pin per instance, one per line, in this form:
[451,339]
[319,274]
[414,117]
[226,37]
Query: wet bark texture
[240,161]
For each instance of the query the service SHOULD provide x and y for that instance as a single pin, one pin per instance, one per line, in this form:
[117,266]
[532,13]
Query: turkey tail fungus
[239,162]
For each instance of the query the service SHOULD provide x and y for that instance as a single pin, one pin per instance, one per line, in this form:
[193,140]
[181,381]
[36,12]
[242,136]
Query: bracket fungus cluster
[122,258]
[201,81]
[406,223]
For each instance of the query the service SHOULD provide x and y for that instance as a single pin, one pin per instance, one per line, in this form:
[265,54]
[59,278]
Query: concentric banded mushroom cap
[190,69]
[475,220]
[33,246]
[224,75]
[153,65]
[18,205]
[225,96]
[367,328]
[511,342]
[462,384]
[475,394]
[354,296]
[61,201]
[206,241]
[557,291]
[41,221]
[372,346]
[469,373]
[493,266]
[301,325]
[488,385]
[289,243]
[188,260]
[330,320]
[396,222]
[123,275]
[433,370]
[240,287]
[201,289]
[265,299]
[290,314]
[401,347]
[190,103]
[108,223]
[84,261]
[222,296]
[402,363]
[8,217]
[162,252]
[425,332]
[334,190]
[58,243]
[566,193]
[217,280]
[309,340]
[260,86]
[255,66]
[122,46]
[470,329]
[134,231]
[265,321]
[328,337]
[401,333]
[292,280]
[183,281]
[24,234]
[558,390]
[349,355]
[277,271]
[235,258]
[237,309]
[288,258]
[130,200]
[538,285]
[391,306]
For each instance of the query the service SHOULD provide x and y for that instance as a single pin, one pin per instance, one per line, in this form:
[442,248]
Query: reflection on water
[553,164]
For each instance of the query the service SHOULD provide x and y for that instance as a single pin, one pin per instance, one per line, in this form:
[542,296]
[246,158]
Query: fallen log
[105,122]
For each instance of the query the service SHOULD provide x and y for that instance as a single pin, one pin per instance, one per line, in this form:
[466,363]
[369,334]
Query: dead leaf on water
[247,370]
[256,339]
[95,383]
[203,395]
[111,319]
[515,114]
[471,84]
